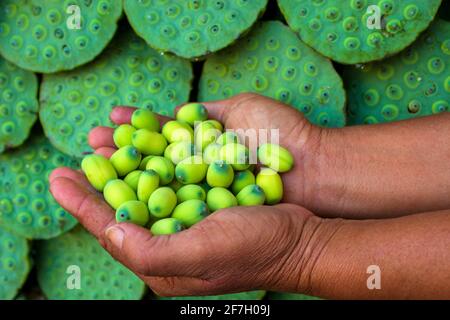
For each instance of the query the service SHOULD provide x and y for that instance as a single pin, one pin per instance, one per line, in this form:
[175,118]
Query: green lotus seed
[189,192]
[166,226]
[148,183]
[251,195]
[220,174]
[149,142]
[175,185]
[212,153]
[125,160]
[216,124]
[237,155]
[98,170]
[190,212]
[228,137]
[145,119]
[162,202]
[175,131]
[164,167]
[270,181]
[191,170]
[205,134]
[133,211]
[275,157]
[241,180]
[192,112]
[144,162]
[220,198]
[123,134]
[179,151]
[117,192]
[132,179]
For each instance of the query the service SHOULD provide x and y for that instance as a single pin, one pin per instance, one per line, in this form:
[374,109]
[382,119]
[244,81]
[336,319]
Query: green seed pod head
[241,180]
[164,167]
[148,183]
[125,160]
[212,153]
[237,155]
[270,181]
[251,195]
[133,211]
[220,198]
[220,174]
[149,142]
[228,137]
[191,212]
[166,226]
[162,202]
[145,119]
[175,131]
[179,151]
[117,192]
[205,134]
[144,162]
[175,185]
[275,157]
[192,113]
[191,170]
[190,192]
[98,170]
[123,135]
[132,179]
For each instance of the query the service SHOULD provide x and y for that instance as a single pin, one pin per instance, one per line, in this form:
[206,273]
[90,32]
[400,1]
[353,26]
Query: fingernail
[115,236]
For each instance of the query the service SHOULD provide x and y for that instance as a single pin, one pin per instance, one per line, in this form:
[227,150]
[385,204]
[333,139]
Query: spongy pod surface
[250,295]
[18,104]
[26,206]
[14,263]
[192,28]
[53,35]
[412,84]
[128,73]
[77,253]
[279,67]
[358,31]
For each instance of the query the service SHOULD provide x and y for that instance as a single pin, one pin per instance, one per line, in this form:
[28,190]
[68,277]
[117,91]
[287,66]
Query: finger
[121,115]
[107,152]
[74,175]
[180,286]
[101,137]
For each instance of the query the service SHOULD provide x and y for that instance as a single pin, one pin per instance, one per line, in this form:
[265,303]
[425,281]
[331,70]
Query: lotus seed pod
[128,72]
[125,160]
[190,192]
[148,183]
[275,157]
[179,151]
[192,113]
[251,195]
[212,153]
[358,31]
[241,180]
[175,185]
[123,135]
[205,134]
[412,84]
[149,142]
[220,198]
[164,167]
[162,202]
[132,179]
[102,277]
[216,124]
[18,104]
[144,162]
[220,174]
[237,155]
[98,170]
[192,29]
[279,67]
[117,192]
[145,119]
[191,170]
[270,181]
[175,131]
[166,226]
[134,212]
[190,212]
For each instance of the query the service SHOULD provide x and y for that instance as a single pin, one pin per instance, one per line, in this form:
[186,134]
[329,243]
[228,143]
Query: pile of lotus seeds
[170,178]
